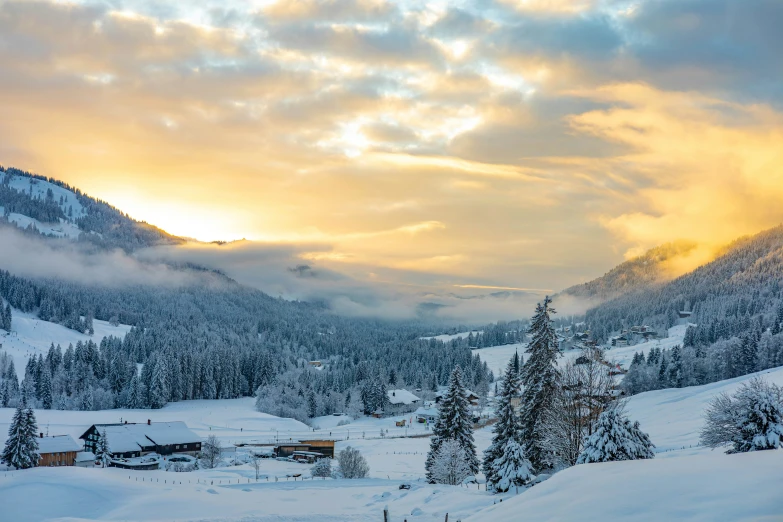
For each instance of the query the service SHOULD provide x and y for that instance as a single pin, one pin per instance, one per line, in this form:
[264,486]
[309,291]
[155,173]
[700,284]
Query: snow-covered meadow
[696,483]
[688,484]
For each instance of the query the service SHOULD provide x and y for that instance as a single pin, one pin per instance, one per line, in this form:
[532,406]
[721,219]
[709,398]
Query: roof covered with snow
[427,412]
[57,444]
[132,437]
[401,397]
[85,456]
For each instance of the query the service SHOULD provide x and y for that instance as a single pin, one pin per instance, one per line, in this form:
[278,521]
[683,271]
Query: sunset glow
[585,129]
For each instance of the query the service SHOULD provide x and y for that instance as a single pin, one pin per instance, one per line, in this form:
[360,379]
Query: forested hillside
[48,200]
[633,275]
[736,303]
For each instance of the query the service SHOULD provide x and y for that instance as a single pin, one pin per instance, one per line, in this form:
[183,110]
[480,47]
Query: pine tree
[7,318]
[312,405]
[21,447]
[539,379]
[615,438]
[102,450]
[453,424]
[507,426]
[511,468]
[159,390]
[45,387]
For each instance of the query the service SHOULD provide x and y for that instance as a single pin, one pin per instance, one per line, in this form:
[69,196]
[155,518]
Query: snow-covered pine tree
[159,390]
[507,426]
[511,469]
[103,449]
[453,424]
[45,387]
[21,447]
[450,464]
[539,378]
[312,405]
[615,438]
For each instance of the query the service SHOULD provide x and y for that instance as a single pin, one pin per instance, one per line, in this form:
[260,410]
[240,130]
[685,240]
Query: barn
[58,450]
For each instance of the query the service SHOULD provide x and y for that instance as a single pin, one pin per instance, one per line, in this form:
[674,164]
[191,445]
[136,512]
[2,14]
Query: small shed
[85,459]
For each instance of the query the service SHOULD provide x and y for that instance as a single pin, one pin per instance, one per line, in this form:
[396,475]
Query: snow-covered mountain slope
[62,229]
[497,357]
[56,209]
[673,417]
[709,488]
[657,265]
[30,336]
[38,188]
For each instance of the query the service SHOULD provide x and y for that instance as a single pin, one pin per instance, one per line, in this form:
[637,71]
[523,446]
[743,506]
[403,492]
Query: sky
[473,149]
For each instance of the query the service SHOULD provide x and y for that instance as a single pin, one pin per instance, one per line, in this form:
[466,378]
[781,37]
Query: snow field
[497,357]
[709,488]
[31,336]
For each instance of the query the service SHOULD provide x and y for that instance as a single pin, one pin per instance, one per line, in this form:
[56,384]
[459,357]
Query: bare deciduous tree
[211,452]
[255,461]
[352,464]
[584,392]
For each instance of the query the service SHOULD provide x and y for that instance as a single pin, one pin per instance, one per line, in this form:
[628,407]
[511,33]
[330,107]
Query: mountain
[734,305]
[52,208]
[745,279]
[197,333]
[657,265]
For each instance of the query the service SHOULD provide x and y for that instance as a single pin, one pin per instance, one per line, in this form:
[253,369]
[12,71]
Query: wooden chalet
[131,440]
[58,450]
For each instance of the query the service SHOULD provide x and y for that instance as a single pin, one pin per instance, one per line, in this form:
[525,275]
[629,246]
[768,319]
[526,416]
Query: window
[176,447]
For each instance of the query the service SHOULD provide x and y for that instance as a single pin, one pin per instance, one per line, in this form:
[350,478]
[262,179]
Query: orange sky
[527,144]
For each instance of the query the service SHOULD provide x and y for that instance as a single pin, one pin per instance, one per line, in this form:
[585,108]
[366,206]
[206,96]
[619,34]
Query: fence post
[385,515]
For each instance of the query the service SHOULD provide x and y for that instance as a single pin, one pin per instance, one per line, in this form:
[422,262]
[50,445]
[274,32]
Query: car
[405,486]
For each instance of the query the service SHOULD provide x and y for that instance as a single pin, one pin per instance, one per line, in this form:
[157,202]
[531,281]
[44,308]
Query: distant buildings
[401,401]
[473,399]
[429,415]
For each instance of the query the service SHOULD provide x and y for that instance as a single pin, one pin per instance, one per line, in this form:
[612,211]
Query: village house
[401,401]
[305,450]
[473,399]
[130,440]
[428,415]
[620,340]
[58,450]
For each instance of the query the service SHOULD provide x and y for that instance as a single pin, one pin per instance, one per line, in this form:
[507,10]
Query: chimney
[40,435]
[149,422]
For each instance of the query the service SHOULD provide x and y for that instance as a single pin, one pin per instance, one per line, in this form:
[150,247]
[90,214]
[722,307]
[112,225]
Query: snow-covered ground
[60,229]
[684,482]
[39,188]
[31,336]
[497,357]
[450,337]
[112,494]
[709,488]
[673,417]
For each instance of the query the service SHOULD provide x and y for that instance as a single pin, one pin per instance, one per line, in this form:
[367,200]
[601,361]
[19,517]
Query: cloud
[394,146]
[32,257]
